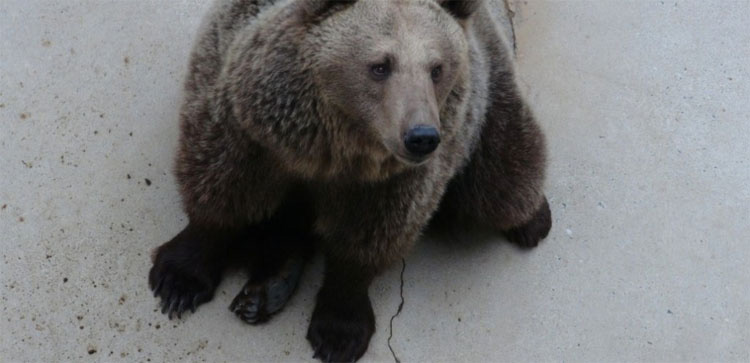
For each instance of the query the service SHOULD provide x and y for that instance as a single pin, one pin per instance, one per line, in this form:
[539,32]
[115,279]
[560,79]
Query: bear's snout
[421,141]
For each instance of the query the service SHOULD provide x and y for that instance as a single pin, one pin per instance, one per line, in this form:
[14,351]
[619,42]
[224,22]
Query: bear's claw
[259,300]
[178,293]
[181,283]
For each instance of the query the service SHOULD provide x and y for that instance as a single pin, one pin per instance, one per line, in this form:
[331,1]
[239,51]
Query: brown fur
[276,101]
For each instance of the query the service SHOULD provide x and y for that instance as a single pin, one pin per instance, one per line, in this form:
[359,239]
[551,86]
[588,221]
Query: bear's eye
[436,72]
[380,71]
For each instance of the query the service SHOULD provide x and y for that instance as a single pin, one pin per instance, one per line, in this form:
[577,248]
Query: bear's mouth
[411,160]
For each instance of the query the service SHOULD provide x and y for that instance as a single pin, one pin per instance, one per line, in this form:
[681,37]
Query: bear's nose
[422,140]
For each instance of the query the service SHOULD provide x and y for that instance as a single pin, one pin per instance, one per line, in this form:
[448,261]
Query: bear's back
[217,31]
[491,71]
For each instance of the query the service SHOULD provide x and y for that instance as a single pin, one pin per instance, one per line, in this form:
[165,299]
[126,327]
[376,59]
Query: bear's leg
[364,228]
[188,268]
[228,186]
[343,321]
[501,186]
[275,259]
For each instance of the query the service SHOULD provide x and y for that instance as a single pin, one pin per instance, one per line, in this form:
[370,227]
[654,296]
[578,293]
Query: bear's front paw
[181,283]
[341,331]
[179,291]
[529,234]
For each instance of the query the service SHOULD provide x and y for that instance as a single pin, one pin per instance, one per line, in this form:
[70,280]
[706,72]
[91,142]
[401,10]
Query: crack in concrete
[511,18]
[400,307]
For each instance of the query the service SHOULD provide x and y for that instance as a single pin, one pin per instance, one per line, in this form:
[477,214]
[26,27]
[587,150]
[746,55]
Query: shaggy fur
[286,141]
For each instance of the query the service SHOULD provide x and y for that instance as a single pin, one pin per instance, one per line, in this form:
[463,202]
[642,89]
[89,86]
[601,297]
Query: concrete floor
[646,106]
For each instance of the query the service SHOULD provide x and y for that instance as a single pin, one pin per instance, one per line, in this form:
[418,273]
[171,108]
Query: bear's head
[367,87]
[390,66]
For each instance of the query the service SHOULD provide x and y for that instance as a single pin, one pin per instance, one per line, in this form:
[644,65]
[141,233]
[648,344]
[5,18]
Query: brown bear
[343,126]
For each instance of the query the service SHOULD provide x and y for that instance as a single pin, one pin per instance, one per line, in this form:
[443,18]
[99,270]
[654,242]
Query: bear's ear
[317,9]
[460,9]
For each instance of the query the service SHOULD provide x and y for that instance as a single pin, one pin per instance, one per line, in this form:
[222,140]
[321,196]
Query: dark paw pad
[178,289]
[258,301]
[535,230]
[340,336]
